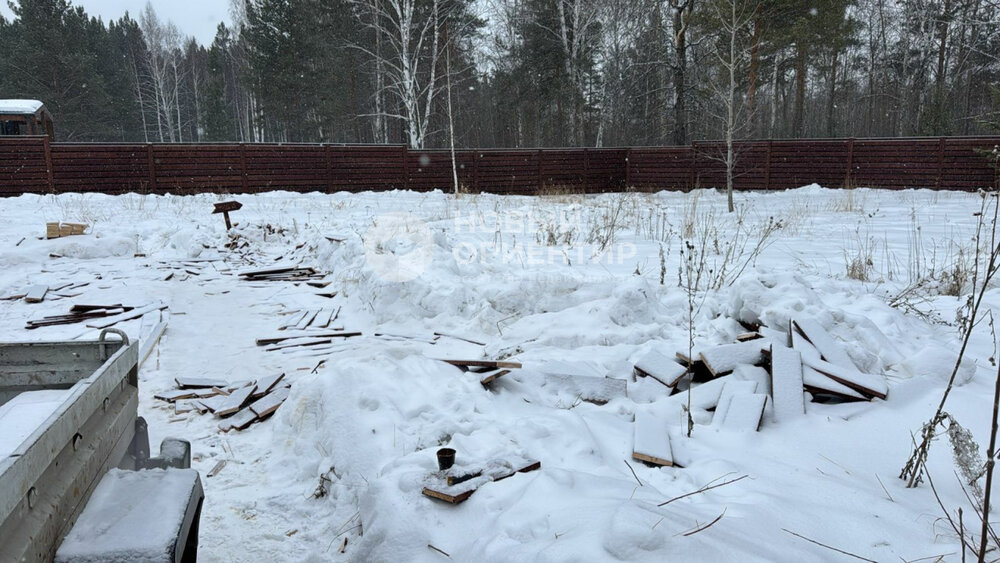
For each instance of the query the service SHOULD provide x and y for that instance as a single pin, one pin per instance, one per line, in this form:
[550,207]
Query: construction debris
[660,368]
[239,405]
[290,273]
[56,230]
[651,442]
[79,314]
[36,293]
[465,480]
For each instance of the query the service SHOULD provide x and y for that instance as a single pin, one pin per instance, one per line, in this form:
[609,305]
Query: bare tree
[681,19]
[162,53]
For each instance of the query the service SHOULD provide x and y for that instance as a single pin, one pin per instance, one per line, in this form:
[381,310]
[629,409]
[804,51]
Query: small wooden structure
[25,117]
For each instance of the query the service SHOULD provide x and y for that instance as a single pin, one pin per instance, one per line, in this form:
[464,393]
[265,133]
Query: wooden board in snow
[868,384]
[660,368]
[786,383]
[491,376]
[721,360]
[267,384]
[235,401]
[185,382]
[732,389]
[36,293]
[174,395]
[483,364]
[133,314]
[744,412]
[819,384]
[829,349]
[704,396]
[240,421]
[651,442]
[270,402]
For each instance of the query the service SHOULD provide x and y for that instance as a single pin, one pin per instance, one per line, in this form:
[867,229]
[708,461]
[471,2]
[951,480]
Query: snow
[19,106]
[24,414]
[372,415]
[131,516]
[651,441]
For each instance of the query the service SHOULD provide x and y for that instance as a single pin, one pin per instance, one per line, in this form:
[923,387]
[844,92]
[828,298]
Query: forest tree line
[513,73]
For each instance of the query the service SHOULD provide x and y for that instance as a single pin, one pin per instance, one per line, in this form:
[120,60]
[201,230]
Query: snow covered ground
[563,284]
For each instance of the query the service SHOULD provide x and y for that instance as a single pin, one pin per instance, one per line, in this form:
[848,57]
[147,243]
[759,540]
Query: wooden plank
[472,478]
[490,377]
[829,349]
[483,363]
[786,383]
[660,368]
[732,388]
[269,340]
[36,293]
[745,412]
[867,384]
[174,395]
[721,360]
[819,384]
[187,382]
[239,421]
[323,318]
[651,442]
[133,314]
[267,384]
[307,319]
[235,400]
[266,405]
[215,470]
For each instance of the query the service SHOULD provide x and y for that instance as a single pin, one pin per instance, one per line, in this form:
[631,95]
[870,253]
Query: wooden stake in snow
[225,207]
[651,442]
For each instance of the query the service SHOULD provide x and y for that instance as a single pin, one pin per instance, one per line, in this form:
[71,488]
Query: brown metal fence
[34,165]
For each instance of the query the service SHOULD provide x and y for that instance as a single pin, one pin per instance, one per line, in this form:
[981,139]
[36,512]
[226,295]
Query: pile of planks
[56,230]
[193,268]
[290,273]
[99,316]
[38,293]
[768,366]
[237,405]
[456,484]
[488,371]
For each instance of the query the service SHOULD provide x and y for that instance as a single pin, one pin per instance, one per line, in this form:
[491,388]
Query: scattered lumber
[240,421]
[174,395]
[866,384]
[184,382]
[828,348]
[745,412]
[651,442]
[462,338]
[266,405]
[786,383]
[36,293]
[60,229]
[133,314]
[308,341]
[432,339]
[483,364]
[267,384]
[660,368]
[73,318]
[732,388]
[235,401]
[327,334]
[468,479]
[821,385]
[218,467]
[290,273]
[491,376]
[721,360]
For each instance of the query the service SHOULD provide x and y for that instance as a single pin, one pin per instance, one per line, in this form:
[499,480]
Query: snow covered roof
[20,106]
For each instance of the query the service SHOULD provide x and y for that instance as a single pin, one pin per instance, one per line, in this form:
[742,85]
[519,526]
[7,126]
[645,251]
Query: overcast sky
[193,17]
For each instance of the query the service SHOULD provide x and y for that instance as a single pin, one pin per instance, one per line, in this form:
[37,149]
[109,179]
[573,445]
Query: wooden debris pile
[740,379]
[237,405]
[100,316]
[56,230]
[488,371]
[314,328]
[38,293]
[193,268]
[456,484]
[291,273]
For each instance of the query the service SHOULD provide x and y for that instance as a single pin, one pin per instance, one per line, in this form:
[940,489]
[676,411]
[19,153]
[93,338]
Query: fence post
[694,163]
[538,170]
[48,163]
[329,169]
[406,167]
[940,165]
[850,162]
[150,163]
[767,166]
[243,167]
[475,170]
[628,168]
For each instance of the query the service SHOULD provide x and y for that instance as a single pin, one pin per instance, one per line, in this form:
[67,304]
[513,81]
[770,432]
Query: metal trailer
[47,480]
